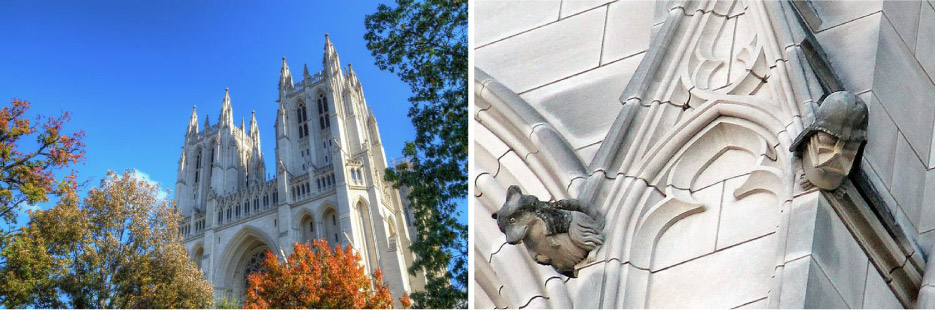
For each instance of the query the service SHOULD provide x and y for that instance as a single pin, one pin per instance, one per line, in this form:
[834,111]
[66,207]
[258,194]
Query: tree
[317,277]
[425,44]
[120,248]
[26,169]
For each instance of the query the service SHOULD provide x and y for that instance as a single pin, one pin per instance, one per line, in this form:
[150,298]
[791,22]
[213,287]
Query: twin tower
[327,183]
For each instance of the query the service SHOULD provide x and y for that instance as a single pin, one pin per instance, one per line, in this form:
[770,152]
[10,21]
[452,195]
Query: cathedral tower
[328,182]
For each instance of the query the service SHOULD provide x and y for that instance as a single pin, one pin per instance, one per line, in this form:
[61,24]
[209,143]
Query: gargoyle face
[517,215]
[828,160]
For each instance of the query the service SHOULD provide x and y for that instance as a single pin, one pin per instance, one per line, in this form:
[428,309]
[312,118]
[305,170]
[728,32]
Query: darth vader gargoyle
[560,233]
[830,145]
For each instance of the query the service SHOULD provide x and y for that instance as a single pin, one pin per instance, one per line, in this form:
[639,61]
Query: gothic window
[256,204]
[275,197]
[237,212]
[228,214]
[197,165]
[220,216]
[302,117]
[254,264]
[323,119]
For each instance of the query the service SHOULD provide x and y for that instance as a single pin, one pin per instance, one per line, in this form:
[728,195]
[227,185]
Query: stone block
[573,7]
[629,28]
[753,216]
[483,160]
[692,236]
[925,43]
[833,13]
[496,19]
[820,293]
[491,142]
[905,90]
[724,279]
[586,154]
[583,289]
[546,54]
[570,104]
[758,304]
[839,256]
[927,220]
[878,295]
[904,15]
[794,283]
[514,171]
[800,235]
[908,181]
[853,64]
[880,150]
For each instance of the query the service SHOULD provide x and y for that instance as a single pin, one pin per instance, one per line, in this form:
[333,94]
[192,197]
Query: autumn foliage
[318,277]
[26,167]
[117,248]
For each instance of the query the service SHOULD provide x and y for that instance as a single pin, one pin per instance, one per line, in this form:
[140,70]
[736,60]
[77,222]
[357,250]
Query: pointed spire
[255,134]
[330,60]
[193,122]
[227,112]
[206,122]
[241,125]
[305,74]
[285,77]
[254,128]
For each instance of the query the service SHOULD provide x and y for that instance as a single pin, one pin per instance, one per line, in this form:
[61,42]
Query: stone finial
[830,145]
[560,234]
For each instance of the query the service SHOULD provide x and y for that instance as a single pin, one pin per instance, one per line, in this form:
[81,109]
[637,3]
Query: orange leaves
[316,276]
[405,301]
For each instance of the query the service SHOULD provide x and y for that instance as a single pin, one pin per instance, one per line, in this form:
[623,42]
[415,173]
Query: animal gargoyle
[560,233]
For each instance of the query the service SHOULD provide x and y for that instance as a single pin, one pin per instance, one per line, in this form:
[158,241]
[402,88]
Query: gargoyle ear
[512,192]
[494,216]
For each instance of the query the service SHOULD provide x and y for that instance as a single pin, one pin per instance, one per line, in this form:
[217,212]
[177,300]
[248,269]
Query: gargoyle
[560,234]
[830,145]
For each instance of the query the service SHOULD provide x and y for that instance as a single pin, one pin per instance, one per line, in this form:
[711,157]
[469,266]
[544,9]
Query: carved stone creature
[830,145]
[560,233]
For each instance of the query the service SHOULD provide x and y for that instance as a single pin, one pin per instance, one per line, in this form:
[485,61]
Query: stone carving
[830,145]
[560,234]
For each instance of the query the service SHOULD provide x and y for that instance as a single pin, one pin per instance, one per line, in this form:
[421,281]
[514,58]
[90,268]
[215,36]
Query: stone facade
[675,119]
[327,183]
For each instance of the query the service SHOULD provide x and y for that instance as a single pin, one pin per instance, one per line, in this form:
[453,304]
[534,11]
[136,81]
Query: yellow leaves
[115,249]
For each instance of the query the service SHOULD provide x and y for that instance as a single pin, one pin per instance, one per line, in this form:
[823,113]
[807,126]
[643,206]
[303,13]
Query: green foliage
[119,248]
[26,175]
[227,302]
[425,44]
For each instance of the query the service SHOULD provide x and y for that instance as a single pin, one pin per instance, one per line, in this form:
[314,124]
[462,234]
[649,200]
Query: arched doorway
[244,254]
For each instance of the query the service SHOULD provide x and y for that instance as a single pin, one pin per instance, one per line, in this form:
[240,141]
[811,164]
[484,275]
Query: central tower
[328,183]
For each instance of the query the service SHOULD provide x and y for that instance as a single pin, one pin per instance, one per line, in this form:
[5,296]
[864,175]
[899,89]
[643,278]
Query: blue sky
[129,72]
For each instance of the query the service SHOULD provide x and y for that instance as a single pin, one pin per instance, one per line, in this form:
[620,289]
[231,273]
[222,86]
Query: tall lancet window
[323,120]
[197,165]
[302,117]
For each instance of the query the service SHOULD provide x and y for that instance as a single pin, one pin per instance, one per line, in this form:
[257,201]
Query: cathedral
[327,183]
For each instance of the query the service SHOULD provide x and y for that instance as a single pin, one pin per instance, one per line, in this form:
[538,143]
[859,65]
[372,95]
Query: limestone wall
[568,62]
